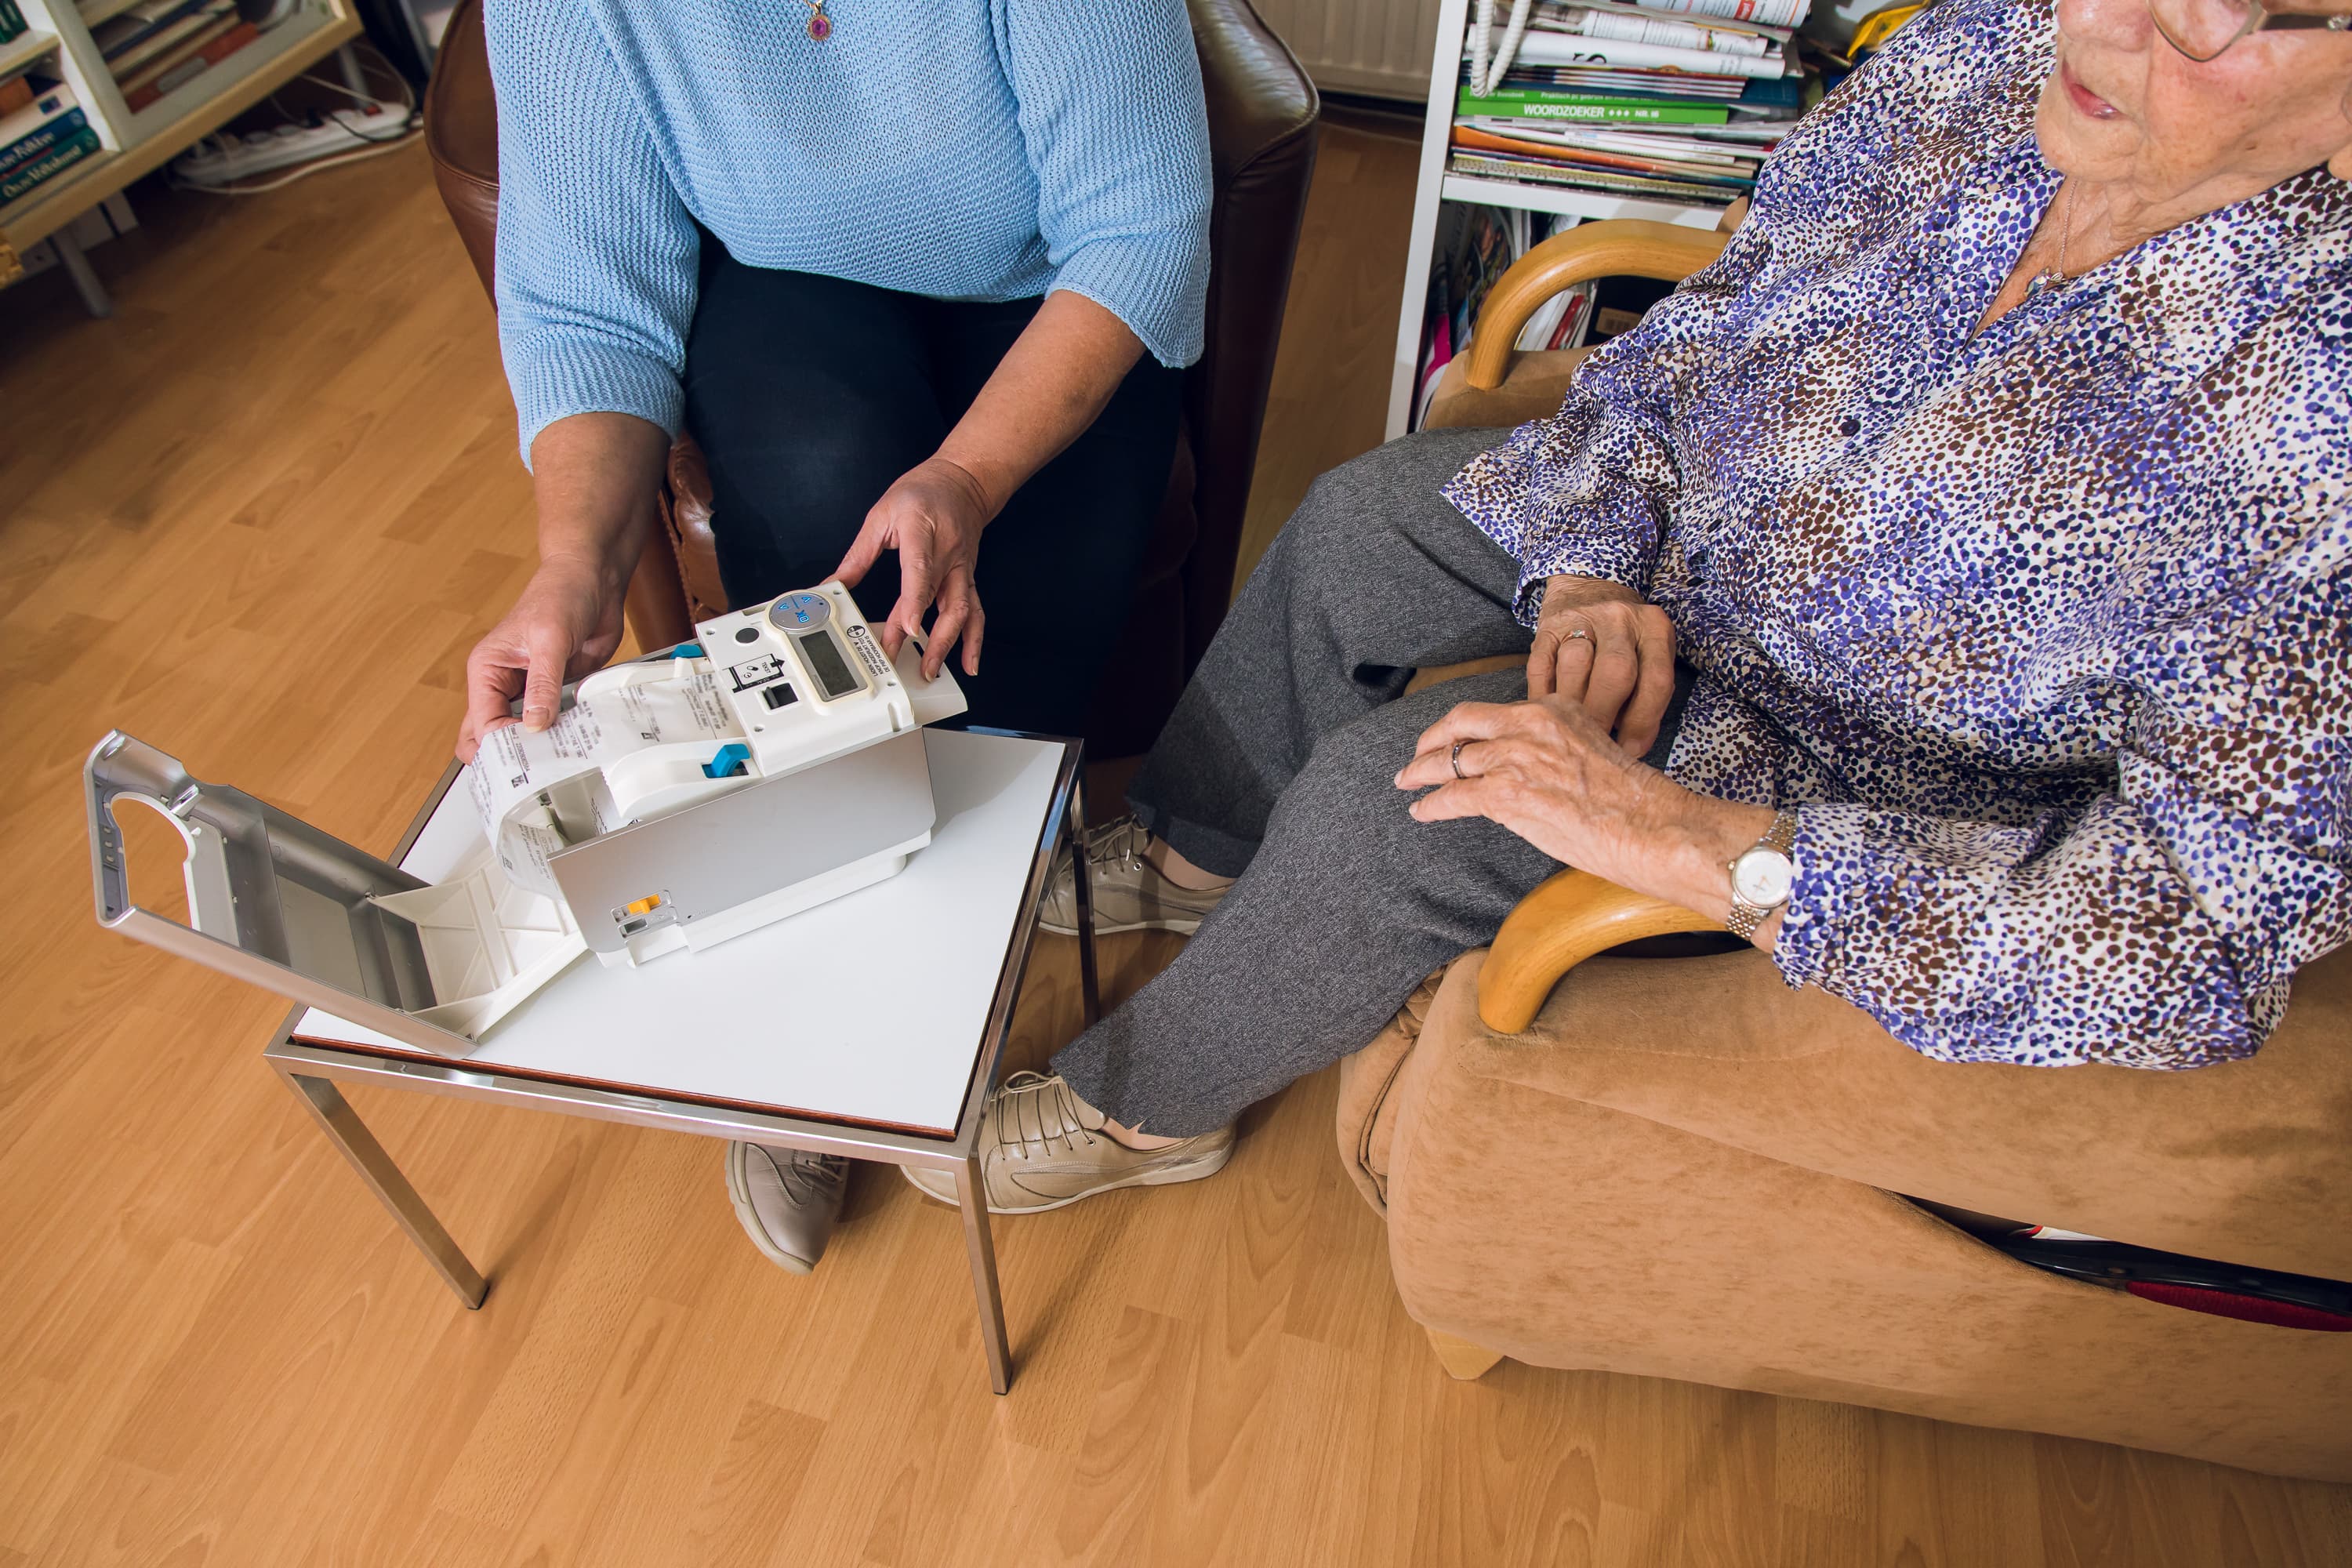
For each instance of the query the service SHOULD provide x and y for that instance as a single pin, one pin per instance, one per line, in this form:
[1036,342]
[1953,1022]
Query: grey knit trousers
[1279,767]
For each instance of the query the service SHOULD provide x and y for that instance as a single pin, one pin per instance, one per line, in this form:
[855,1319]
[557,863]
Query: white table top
[869,1009]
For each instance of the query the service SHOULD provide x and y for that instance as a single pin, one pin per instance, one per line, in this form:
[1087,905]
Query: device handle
[120,765]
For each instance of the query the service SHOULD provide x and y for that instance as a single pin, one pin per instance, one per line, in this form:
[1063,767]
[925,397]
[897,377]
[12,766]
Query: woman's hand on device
[566,624]
[932,517]
[1600,644]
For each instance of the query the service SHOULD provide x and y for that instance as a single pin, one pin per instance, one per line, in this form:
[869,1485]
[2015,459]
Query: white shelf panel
[97,11]
[23,51]
[1574,203]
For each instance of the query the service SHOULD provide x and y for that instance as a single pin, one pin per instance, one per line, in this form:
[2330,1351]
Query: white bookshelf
[19,52]
[1434,187]
[132,145]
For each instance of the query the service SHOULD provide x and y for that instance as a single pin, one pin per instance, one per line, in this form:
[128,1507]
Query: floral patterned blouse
[2046,628]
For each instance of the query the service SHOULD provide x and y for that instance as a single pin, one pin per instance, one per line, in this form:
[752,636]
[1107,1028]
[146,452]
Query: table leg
[349,1134]
[1089,989]
[972,1197]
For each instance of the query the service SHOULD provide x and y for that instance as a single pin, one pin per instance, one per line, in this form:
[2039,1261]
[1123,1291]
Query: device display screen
[825,661]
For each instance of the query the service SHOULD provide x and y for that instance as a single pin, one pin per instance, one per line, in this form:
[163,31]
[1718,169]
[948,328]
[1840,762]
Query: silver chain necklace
[2051,276]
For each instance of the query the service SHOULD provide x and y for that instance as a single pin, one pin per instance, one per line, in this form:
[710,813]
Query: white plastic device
[573,863]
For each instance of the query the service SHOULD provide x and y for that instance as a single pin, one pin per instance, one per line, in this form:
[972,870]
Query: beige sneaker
[1128,894]
[1042,1147]
[787,1200]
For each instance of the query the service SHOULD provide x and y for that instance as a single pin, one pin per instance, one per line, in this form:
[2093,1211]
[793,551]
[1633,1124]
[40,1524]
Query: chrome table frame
[312,1071]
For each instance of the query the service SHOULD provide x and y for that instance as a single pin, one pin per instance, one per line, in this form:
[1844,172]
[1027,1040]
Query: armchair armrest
[1612,248]
[1570,916]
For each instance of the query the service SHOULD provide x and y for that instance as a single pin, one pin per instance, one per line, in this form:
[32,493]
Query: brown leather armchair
[1678,1167]
[1262,116]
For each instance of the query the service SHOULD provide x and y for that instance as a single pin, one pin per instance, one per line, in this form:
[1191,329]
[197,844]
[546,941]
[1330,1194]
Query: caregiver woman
[919,277]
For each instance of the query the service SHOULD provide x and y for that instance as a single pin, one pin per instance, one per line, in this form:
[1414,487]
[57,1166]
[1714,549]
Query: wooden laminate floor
[257,518]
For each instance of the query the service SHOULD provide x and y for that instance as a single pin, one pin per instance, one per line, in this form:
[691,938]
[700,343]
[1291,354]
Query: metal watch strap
[1746,917]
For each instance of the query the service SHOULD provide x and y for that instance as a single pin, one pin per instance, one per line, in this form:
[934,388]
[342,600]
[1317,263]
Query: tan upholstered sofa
[1678,1167]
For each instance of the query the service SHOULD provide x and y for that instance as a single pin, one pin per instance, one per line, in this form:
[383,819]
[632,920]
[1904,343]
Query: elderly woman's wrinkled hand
[1600,644]
[1548,772]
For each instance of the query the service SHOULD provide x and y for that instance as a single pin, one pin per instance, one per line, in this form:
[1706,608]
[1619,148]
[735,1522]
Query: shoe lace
[1119,842]
[807,1176]
[1032,1108]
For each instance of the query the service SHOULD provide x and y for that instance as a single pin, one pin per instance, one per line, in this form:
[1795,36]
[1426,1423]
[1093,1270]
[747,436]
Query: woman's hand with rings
[1598,643]
[932,517]
[1545,770]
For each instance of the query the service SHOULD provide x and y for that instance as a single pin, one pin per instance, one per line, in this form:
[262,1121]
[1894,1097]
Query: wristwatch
[1761,878]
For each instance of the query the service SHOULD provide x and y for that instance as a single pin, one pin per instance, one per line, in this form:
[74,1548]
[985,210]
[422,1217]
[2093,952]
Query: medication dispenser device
[678,800]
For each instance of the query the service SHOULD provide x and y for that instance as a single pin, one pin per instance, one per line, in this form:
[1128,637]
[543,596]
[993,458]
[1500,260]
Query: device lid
[275,901]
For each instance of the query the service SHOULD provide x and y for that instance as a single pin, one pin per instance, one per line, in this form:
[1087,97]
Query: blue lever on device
[731,759]
[686,650]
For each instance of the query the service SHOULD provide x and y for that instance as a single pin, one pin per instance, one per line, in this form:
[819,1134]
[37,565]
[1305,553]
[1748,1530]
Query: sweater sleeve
[596,254]
[2159,925]
[1118,131]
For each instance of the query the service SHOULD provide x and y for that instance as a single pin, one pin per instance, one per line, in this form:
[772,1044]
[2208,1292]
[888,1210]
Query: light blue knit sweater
[962,149]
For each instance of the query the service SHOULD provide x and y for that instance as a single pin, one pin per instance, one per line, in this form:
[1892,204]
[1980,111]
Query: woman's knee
[1343,812]
[1344,818]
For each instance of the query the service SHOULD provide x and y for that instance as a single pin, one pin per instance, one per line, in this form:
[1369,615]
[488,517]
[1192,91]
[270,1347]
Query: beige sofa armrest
[1568,919]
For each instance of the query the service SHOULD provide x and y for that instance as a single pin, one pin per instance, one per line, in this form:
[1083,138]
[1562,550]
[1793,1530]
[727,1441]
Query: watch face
[1762,877]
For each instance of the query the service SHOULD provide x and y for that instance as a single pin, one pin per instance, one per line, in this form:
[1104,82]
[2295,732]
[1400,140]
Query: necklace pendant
[820,26]
[2040,283]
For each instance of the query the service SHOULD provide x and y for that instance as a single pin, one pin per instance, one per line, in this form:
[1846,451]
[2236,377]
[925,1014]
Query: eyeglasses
[2202,29]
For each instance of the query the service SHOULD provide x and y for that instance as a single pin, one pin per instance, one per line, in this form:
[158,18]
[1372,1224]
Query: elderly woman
[1995,489]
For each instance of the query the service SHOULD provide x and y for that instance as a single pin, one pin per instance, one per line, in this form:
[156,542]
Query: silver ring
[1457,761]
[1575,632]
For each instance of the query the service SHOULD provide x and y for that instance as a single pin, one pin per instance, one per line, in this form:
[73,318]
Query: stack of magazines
[1669,99]
[1475,244]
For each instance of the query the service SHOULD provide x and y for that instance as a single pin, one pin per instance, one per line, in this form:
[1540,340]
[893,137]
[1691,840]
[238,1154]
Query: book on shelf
[1726,89]
[1770,12]
[27,177]
[198,20]
[52,117]
[1544,172]
[184,66]
[16,92]
[210,25]
[1709,145]
[1572,49]
[1539,103]
[1640,24]
[13,25]
[1736,175]
[142,25]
